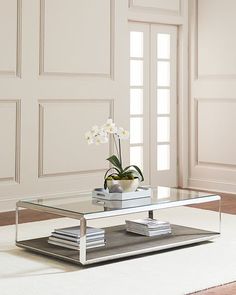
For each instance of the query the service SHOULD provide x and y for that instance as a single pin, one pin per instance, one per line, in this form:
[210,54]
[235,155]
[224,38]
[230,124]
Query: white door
[153,118]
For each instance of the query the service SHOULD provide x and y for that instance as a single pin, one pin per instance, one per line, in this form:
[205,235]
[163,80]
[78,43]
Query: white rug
[172,272]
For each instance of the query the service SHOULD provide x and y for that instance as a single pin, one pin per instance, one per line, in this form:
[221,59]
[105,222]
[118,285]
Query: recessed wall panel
[8,140]
[63,148]
[8,36]
[216,141]
[171,5]
[216,41]
[76,37]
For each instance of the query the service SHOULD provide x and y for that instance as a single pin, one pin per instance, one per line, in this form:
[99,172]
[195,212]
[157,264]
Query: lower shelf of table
[120,243]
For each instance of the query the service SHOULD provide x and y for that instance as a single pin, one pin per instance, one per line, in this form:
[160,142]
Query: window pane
[136,73]
[163,157]
[163,73]
[136,44]
[136,156]
[163,129]
[136,101]
[163,101]
[136,130]
[163,45]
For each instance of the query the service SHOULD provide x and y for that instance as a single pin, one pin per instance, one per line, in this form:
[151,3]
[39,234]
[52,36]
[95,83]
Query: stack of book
[148,227]
[69,237]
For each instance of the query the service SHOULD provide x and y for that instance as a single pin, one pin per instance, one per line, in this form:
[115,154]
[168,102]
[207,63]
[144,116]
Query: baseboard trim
[8,205]
[212,185]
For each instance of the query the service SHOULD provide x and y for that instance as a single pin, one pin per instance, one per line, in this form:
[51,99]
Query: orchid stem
[115,144]
[120,152]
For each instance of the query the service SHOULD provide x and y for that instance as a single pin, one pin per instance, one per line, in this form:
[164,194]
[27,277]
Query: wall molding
[212,185]
[9,203]
[216,165]
[42,71]
[150,9]
[41,173]
[197,76]
[197,162]
[16,177]
[17,72]
[195,145]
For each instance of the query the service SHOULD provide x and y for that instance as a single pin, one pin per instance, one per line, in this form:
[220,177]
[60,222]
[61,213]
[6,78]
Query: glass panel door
[139,97]
[153,119]
[163,118]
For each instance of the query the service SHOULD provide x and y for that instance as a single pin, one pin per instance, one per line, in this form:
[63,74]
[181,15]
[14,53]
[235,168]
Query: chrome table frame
[82,253]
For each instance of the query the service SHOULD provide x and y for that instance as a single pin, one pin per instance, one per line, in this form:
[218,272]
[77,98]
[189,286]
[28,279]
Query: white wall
[213,95]
[64,67]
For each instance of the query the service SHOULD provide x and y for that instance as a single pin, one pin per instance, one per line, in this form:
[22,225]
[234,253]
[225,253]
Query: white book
[146,229]
[74,247]
[77,239]
[150,233]
[76,244]
[148,223]
[163,233]
[74,231]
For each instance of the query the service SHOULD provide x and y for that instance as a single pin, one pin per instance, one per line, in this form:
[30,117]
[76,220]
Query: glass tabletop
[83,203]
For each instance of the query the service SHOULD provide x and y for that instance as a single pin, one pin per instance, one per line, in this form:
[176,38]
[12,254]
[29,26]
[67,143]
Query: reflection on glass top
[83,203]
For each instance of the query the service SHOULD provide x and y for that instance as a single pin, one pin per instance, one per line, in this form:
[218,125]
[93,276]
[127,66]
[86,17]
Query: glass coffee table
[119,242]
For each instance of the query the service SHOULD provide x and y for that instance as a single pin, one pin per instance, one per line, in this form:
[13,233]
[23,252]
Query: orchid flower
[100,135]
[122,133]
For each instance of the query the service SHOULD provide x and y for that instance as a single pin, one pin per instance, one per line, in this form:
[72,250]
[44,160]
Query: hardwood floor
[228,205]
[8,218]
[228,289]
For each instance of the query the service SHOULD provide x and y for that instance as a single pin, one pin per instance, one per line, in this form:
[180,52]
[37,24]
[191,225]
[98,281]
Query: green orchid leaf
[112,168]
[137,169]
[115,161]
[110,175]
[131,174]
[105,184]
[113,176]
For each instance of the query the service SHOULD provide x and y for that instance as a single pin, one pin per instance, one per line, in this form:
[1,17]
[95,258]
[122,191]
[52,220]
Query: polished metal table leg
[150,214]
[220,215]
[82,246]
[17,221]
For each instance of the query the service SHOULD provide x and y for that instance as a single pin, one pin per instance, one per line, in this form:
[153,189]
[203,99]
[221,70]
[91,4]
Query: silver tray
[141,192]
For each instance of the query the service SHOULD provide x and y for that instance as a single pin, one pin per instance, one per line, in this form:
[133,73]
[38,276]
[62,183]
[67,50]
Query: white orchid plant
[99,135]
